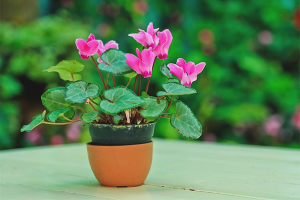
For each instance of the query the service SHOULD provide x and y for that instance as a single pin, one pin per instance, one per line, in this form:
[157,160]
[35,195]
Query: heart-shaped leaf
[79,91]
[117,119]
[175,89]
[185,122]
[66,69]
[173,80]
[118,99]
[165,70]
[37,120]
[54,99]
[115,62]
[56,116]
[90,116]
[152,108]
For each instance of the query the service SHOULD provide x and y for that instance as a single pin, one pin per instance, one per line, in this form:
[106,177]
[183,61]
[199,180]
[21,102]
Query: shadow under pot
[120,155]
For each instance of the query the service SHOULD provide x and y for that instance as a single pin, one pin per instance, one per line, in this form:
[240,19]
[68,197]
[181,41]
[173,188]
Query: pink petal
[82,56]
[186,80]
[94,45]
[111,45]
[181,62]
[150,28]
[139,37]
[91,37]
[199,68]
[138,53]
[165,39]
[176,70]
[81,45]
[148,58]
[133,62]
[146,71]
[149,40]
[190,68]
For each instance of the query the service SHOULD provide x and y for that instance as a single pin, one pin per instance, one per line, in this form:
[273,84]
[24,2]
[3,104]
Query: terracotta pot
[125,165]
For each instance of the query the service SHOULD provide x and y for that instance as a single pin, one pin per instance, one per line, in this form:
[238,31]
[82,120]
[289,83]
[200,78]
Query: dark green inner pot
[107,134]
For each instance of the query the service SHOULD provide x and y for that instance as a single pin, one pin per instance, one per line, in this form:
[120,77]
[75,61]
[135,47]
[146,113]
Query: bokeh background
[247,94]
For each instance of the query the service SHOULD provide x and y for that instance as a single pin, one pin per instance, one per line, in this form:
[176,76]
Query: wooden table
[180,170]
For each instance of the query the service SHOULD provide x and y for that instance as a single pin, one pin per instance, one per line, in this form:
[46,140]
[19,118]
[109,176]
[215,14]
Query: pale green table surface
[180,170]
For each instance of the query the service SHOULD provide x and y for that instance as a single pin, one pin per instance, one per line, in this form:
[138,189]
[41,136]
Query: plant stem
[67,118]
[60,123]
[128,82]
[168,106]
[73,77]
[79,108]
[160,97]
[134,87]
[96,110]
[106,81]
[113,78]
[93,101]
[99,73]
[164,116]
[139,85]
[146,90]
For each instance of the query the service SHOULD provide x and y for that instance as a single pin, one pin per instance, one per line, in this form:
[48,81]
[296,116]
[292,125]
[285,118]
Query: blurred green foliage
[251,50]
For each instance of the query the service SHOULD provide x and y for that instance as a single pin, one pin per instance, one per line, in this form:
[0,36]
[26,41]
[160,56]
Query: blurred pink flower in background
[140,7]
[73,132]
[34,136]
[57,140]
[87,47]
[206,36]
[104,29]
[273,125]
[102,48]
[296,119]
[143,63]
[210,137]
[186,71]
[265,37]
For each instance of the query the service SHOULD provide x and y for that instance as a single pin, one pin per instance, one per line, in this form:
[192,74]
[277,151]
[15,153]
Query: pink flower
[186,71]
[273,125]
[87,48]
[102,48]
[143,63]
[296,119]
[147,39]
[165,39]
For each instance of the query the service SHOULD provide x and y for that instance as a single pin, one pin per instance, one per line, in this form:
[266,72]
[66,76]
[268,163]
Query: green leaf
[117,119]
[90,116]
[66,68]
[118,99]
[165,70]
[152,108]
[175,89]
[172,98]
[144,94]
[173,80]
[37,120]
[54,99]
[185,122]
[116,61]
[130,75]
[55,115]
[79,91]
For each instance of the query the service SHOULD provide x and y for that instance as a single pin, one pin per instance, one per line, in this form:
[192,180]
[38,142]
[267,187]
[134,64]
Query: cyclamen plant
[119,105]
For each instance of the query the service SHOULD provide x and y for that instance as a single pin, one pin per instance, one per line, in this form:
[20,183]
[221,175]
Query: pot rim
[121,126]
[89,144]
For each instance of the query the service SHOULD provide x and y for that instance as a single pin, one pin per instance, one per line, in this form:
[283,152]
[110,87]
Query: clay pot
[121,155]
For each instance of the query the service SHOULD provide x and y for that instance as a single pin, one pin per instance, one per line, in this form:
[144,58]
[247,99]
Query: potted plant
[122,120]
